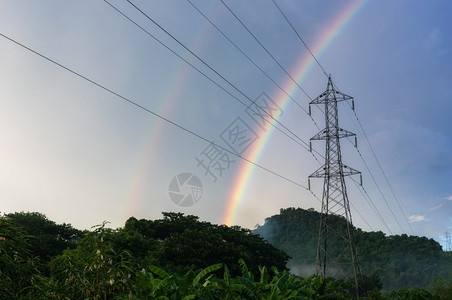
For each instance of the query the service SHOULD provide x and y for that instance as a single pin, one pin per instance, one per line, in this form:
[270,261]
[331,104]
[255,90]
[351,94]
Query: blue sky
[82,155]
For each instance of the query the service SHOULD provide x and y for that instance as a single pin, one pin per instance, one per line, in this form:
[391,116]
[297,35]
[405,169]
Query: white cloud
[436,207]
[416,218]
[449,198]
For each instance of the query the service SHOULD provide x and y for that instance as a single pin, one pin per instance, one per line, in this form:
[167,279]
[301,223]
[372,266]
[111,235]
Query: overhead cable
[300,142]
[266,50]
[379,189]
[300,38]
[148,110]
[366,196]
[306,145]
[381,169]
[252,61]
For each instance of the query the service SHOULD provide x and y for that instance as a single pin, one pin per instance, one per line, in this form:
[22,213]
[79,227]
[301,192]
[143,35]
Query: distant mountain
[401,261]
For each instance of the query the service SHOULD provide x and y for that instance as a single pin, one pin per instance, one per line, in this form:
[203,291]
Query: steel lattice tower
[336,249]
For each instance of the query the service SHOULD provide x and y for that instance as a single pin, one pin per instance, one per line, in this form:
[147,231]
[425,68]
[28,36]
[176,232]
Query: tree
[399,261]
[187,242]
[17,264]
[46,238]
[93,270]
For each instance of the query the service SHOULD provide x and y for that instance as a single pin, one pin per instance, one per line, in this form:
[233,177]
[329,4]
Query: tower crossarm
[323,171]
[321,99]
[331,93]
[325,134]
[348,171]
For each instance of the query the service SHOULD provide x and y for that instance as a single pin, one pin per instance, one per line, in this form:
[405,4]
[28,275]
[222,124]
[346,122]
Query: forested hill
[400,261]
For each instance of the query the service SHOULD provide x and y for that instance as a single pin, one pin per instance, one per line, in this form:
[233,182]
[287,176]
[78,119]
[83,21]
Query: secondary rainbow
[303,66]
[146,152]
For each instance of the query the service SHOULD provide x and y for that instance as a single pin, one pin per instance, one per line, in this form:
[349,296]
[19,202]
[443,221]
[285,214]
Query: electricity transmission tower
[336,249]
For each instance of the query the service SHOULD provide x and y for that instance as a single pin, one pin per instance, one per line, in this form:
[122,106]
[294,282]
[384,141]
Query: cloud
[436,207]
[416,218]
[449,198]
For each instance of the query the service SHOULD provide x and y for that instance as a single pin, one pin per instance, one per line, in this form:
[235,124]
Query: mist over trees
[400,261]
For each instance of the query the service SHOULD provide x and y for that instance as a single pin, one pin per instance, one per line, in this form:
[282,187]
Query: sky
[156,119]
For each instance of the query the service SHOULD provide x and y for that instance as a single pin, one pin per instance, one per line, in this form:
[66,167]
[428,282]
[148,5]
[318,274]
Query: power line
[361,216]
[266,50]
[210,80]
[180,43]
[156,114]
[252,61]
[277,61]
[161,117]
[384,173]
[148,110]
[379,189]
[303,144]
[381,169]
[362,129]
[326,74]
[302,41]
[371,204]
[299,37]
[216,72]
[187,49]
[351,204]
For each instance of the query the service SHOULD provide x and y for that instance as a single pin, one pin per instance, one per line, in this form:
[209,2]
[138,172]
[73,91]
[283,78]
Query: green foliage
[46,238]
[415,294]
[17,265]
[138,262]
[400,261]
[205,285]
[175,244]
[369,284]
[441,287]
[94,269]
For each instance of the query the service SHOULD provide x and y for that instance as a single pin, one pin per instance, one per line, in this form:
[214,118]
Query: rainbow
[300,72]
